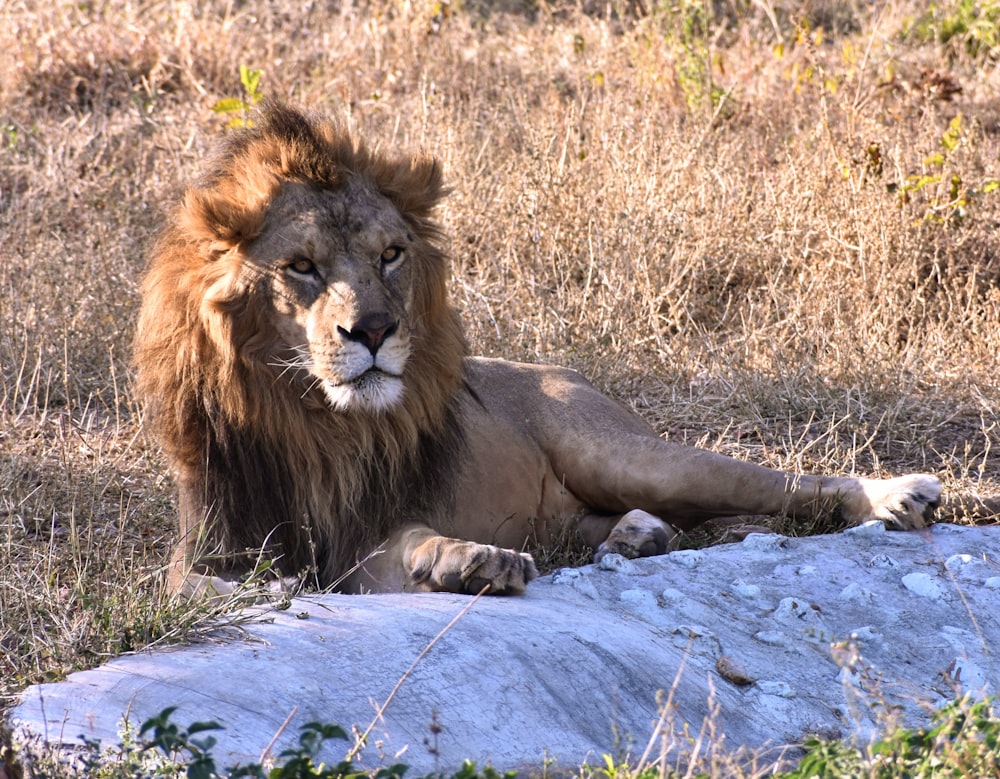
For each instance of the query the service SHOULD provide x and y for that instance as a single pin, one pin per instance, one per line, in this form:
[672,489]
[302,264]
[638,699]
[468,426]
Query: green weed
[962,741]
[689,30]
[968,27]
[162,748]
[240,107]
[947,192]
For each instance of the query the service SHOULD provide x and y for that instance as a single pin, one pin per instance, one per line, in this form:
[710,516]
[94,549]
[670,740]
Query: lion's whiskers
[300,361]
[316,382]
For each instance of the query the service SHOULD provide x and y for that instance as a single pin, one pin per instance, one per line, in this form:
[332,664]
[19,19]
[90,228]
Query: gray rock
[783,637]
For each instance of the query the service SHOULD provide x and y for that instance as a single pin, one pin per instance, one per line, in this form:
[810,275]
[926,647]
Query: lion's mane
[260,462]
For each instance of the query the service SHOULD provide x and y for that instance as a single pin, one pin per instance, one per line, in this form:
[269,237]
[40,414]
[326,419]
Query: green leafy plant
[828,760]
[963,740]
[688,28]
[176,743]
[161,748]
[614,769]
[971,27]
[302,761]
[239,108]
[947,194]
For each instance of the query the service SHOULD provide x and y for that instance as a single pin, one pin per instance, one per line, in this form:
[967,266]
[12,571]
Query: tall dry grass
[714,210]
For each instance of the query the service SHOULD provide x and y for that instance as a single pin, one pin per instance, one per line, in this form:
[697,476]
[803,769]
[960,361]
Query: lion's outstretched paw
[450,565]
[638,534]
[906,502]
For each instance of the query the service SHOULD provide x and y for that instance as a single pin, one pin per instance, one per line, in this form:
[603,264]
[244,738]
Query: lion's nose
[371,330]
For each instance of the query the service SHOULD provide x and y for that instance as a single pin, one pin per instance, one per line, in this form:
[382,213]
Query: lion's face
[335,267]
[302,273]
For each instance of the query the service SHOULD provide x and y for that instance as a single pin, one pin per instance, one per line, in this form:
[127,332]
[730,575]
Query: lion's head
[296,347]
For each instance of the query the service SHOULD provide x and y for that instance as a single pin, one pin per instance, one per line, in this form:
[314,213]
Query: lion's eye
[392,254]
[301,266]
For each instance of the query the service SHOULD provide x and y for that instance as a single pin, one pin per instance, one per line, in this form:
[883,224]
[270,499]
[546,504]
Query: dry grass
[709,212]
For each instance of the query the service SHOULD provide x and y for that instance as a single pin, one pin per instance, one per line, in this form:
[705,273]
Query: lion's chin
[372,391]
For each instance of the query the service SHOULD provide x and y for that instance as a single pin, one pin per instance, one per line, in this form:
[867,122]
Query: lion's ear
[415,184]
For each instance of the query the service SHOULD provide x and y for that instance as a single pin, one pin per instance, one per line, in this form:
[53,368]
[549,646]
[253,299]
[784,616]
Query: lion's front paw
[638,534]
[905,503]
[449,565]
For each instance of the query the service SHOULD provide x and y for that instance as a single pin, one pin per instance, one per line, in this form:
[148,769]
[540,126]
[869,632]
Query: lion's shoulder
[529,383]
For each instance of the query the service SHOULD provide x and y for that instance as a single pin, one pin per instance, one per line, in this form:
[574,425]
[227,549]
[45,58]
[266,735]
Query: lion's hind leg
[638,534]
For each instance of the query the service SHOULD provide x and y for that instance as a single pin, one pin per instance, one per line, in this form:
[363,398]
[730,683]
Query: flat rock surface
[776,638]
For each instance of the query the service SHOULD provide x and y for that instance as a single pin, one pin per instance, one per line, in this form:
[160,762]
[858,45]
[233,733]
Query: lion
[310,383]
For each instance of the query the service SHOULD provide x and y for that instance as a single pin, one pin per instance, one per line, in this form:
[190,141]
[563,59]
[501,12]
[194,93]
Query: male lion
[309,381]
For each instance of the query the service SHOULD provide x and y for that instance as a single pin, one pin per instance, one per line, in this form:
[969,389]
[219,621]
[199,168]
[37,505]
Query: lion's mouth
[373,374]
[372,390]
